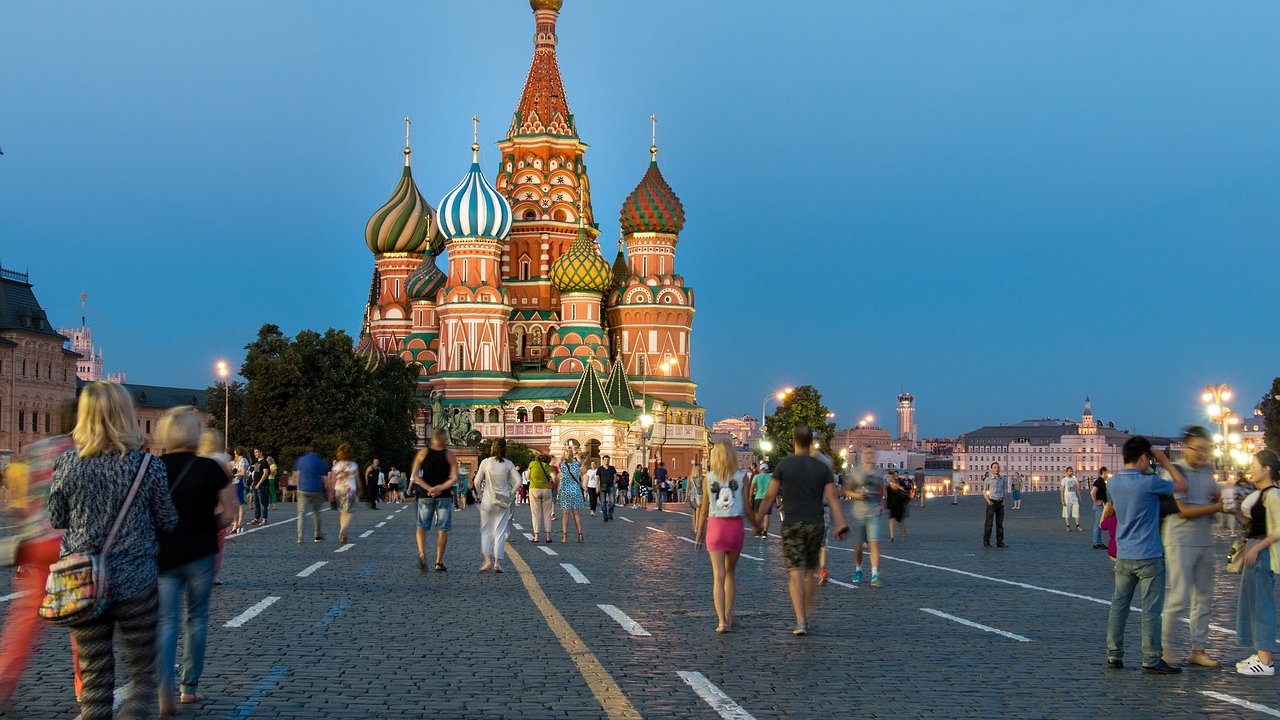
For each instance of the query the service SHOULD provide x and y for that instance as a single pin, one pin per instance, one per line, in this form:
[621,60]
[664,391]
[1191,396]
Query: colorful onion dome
[581,269]
[367,353]
[425,281]
[554,5]
[474,208]
[653,205]
[621,271]
[405,222]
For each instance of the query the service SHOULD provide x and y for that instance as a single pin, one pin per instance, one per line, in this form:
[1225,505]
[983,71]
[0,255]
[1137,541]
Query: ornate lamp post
[766,447]
[224,372]
[1228,451]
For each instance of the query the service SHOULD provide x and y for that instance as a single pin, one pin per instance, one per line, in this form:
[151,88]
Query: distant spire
[84,298]
[653,138]
[407,151]
[475,138]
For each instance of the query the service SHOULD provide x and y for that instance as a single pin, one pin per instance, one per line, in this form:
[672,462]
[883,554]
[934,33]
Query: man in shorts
[804,482]
[866,490]
[1071,499]
[435,496]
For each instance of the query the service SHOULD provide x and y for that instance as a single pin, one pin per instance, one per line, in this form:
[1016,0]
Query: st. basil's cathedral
[531,334]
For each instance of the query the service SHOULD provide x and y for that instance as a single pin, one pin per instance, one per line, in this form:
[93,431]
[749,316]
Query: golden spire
[475,138]
[407,151]
[653,138]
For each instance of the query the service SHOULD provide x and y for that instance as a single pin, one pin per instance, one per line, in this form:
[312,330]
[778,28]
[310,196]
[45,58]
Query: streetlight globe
[871,418]
[1214,410]
[817,445]
[1234,438]
[1207,397]
[1217,437]
[844,452]
[766,446]
[1226,393]
[646,420]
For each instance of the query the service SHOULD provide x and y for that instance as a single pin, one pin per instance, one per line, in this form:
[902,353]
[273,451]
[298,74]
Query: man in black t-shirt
[258,483]
[607,475]
[371,475]
[803,481]
[1098,493]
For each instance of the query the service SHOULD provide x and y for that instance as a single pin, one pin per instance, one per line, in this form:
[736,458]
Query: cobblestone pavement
[365,635]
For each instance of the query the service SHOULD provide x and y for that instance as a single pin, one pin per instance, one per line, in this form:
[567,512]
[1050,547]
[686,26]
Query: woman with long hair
[645,484]
[241,474]
[497,482]
[345,475]
[90,487]
[572,499]
[188,554]
[1256,611]
[718,518]
[896,498]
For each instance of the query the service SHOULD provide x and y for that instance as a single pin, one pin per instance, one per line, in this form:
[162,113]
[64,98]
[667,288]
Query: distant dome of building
[581,268]
[474,208]
[405,223]
[425,281]
[653,205]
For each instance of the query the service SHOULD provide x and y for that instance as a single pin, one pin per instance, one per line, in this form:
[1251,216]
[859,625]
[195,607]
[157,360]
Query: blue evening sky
[999,206]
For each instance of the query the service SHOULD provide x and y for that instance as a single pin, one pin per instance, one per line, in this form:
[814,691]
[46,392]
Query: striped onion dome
[581,269]
[474,208]
[653,205]
[425,281]
[405,223]
[367,353]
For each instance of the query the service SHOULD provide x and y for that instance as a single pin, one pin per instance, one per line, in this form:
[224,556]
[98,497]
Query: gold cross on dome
[407,122]
[653,137]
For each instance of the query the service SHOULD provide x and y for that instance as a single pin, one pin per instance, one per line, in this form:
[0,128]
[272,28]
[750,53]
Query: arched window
[524,269]
[539,415]
[559,215]
[530,215]
[522,415]
[493,415]
[479,415]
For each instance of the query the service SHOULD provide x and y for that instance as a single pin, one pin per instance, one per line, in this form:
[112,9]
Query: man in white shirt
[1071,500]
[593,487]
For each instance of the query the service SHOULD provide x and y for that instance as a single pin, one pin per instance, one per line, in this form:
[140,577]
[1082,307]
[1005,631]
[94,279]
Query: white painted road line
[625,519]
[252,530]
[834,581]
[391,517]
[547,550]
[517,526]
[664,532]
[576,574]
[624,620]
[750,557]
[12,596]
[980,626]
[251,613]
[384,522]
[677,512]
[688,540]
[312,568]
[366,533]
[1242,703]
[345,548]
[726,708]
[528,536]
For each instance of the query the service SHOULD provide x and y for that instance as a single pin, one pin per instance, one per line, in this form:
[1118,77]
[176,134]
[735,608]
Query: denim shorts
[437,511]
[865,529]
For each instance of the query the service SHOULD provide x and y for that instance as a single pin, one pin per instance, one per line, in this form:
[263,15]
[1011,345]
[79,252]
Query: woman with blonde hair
[497,481]
[719,519]
[344,476]
[91,485]
[188,554]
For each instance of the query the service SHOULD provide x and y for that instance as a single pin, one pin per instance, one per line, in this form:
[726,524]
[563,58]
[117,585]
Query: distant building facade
[89,366]
[743,430]
[37,371]
[907,431]
[1041,450]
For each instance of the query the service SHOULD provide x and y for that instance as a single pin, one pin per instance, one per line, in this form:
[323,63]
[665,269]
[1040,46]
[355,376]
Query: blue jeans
[1147,577]
[1097,525]
[261,501]
[435,511]
[608,498]
[1256,611]
[195,579]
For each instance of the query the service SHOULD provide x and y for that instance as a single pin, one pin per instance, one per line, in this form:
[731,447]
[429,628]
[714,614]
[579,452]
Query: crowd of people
[73,488]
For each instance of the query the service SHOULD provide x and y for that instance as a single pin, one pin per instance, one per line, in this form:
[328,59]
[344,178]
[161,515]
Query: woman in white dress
[497,482]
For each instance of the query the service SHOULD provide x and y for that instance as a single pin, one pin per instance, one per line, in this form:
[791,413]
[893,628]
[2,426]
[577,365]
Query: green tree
[313,389]
[1271,414]
[802,407]
[518,453]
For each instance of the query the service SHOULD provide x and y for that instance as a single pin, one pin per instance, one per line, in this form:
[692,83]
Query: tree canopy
[802,407]
[1271,414]
[313,389]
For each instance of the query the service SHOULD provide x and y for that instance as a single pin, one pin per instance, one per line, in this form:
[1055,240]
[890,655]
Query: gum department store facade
[530,333]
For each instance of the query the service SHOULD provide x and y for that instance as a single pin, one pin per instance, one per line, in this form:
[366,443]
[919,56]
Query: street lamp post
[765,446]
[1214,397]
[224,372]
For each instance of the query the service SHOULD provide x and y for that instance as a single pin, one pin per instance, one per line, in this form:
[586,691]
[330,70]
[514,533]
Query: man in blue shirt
[1135,493]
[660,483]
[310,470]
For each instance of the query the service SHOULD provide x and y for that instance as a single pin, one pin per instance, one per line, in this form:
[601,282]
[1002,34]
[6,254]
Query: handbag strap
[128,500]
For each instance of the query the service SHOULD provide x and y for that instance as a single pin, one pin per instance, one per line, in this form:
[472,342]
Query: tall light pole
[780,395]
[1214,397]
[224,373]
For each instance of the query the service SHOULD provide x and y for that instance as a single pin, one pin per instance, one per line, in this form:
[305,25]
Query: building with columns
[528,317]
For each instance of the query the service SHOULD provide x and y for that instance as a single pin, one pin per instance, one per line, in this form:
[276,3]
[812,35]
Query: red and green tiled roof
[617,390]
[589,396]
[652,206]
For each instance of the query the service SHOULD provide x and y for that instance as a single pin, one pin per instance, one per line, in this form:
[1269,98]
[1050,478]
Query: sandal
[579,538]
[564,537]
[440,567]
[193,698]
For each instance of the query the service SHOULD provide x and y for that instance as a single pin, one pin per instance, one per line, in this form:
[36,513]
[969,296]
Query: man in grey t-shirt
[866,490]
[1189,550]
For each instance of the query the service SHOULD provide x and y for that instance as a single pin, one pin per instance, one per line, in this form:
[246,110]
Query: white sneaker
[1256,668]
[1245,662]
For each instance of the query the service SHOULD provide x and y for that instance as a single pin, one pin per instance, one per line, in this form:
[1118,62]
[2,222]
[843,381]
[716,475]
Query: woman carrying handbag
[107,489]
[497,481]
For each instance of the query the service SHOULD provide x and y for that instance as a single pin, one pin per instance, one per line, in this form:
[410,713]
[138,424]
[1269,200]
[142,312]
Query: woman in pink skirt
[719,520]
